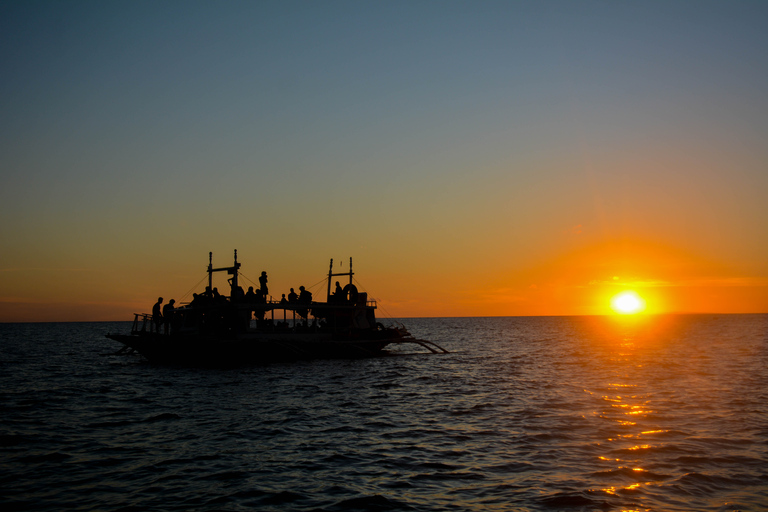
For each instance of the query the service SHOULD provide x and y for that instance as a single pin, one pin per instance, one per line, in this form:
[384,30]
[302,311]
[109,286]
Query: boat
[251,328]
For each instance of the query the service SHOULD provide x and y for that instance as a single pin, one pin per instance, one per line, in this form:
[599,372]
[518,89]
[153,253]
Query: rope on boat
[322,281]
[240,273]
[387,314]
[193,288]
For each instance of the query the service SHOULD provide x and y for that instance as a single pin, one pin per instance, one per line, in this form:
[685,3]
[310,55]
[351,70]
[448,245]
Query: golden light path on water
[628,402]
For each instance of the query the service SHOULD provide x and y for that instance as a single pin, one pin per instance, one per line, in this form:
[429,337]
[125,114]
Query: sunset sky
[473,158]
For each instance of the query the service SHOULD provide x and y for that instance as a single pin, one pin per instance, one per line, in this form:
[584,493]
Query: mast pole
[330,275]
[232,271]
[350,270]
[234,276]
[210,270]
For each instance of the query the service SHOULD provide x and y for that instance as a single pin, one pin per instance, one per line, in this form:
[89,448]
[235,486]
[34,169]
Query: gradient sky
[474,158]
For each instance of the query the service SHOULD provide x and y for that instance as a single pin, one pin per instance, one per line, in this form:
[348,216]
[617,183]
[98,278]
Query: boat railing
[276,304]
[188,318]
[142,323]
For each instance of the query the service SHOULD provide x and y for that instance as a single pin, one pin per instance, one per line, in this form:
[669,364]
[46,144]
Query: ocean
[659,413]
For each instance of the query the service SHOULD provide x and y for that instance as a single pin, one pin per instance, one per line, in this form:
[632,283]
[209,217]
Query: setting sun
[627,303]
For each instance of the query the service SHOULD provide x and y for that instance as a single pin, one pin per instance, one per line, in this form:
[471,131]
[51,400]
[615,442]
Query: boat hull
[198,350]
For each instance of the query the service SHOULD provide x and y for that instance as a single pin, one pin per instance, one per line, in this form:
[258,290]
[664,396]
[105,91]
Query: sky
[473,158]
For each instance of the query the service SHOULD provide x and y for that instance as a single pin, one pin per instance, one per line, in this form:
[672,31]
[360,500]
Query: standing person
[157,316]
[263,284]
[292,297]
[168,316]
[305,297]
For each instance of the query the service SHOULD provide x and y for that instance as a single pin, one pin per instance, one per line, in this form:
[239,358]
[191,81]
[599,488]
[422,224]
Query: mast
[331,274]
[230,270]
[233,273]
[210,270]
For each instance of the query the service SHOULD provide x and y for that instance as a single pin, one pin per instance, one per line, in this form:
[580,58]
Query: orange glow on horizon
[579,281]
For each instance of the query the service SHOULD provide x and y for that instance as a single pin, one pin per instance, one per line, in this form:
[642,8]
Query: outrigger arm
[429,345]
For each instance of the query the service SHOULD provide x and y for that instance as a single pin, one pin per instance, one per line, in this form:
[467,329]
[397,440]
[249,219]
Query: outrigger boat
[242,330]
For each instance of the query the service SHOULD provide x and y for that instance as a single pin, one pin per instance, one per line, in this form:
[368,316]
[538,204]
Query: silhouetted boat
[249,329]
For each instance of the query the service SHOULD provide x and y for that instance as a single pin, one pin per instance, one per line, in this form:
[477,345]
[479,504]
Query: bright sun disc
[627,303]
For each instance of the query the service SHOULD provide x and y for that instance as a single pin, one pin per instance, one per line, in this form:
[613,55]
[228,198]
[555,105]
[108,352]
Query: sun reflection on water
[626,407]
[649,380]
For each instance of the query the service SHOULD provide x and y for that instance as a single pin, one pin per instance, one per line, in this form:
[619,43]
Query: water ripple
[534,414]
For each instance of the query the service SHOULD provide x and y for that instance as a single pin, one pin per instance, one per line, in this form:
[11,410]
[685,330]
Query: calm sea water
[540,414]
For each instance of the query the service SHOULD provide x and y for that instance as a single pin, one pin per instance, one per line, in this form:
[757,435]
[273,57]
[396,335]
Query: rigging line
[387,314]
[195,286]
[360,286]
[248,279]
[318,283]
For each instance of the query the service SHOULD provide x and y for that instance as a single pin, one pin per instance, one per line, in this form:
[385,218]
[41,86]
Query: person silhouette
[338,293]
[250,296]
[263,283]
[168,316]
[157,315]
[305,297]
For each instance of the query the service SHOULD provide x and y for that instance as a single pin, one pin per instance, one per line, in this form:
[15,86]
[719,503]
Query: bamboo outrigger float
[248,329]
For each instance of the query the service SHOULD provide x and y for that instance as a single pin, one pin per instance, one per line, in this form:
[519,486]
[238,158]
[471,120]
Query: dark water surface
[561,413]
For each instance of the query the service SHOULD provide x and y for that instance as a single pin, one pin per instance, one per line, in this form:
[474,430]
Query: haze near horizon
[473,158]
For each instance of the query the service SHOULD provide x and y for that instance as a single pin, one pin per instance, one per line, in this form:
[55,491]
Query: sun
[627,303]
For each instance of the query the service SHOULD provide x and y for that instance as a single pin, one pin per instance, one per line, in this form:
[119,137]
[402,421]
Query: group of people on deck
[304,297]
[212,297]
[162,316]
